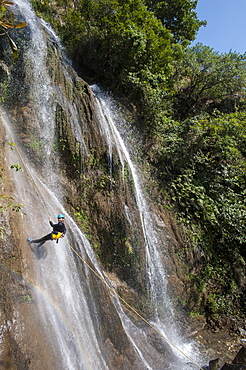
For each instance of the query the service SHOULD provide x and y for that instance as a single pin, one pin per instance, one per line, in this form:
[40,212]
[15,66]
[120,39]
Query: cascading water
[63,287]
[164,315]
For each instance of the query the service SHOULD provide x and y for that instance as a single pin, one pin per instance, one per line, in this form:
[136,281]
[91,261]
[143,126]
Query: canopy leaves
[178,16]
[206,80]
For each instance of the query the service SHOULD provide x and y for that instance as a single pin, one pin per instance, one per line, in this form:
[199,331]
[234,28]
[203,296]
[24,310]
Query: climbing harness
[56,235]
[91,268]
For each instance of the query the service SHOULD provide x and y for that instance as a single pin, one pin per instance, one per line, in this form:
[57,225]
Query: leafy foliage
[8,202]
[122,37]
[7,21]
[206,80]
[178,16]
[119,44]
[201,163]
[136,49]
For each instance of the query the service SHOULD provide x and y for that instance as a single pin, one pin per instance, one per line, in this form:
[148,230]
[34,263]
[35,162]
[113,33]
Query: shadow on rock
[39,252]
[239,362]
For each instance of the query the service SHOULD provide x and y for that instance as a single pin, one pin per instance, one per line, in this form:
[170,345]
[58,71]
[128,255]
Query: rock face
[94,193]
[239,362]
[19,328]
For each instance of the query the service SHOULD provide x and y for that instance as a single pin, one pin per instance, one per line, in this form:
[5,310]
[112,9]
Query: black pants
[42,240]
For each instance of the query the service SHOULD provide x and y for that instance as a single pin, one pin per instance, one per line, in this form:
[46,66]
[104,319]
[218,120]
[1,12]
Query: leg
[40,244]
[42,240]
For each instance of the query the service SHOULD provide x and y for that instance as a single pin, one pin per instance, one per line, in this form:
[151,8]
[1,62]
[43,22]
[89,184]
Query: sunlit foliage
[7,22]
[206,80]
[178,16]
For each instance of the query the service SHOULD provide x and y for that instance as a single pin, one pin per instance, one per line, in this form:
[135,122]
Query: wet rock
[239,362]
[194,325]
[240,357]
[233,367]
[242,332]
[213,365]
[175,285]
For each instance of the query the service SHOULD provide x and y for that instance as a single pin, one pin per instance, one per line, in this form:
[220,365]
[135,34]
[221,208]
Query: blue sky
[226,25]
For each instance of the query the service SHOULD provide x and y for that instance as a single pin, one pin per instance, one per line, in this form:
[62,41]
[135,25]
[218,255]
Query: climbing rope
[130,307]
[91,268]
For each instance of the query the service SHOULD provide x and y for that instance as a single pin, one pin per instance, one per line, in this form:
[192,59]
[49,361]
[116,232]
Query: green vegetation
[7,22]
[8,202]
[178,16]
[201,167]
[206,80]
[189,103]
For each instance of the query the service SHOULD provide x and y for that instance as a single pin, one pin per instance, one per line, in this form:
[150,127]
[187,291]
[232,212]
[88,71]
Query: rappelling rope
[26,168]
[91,268]
[130,307]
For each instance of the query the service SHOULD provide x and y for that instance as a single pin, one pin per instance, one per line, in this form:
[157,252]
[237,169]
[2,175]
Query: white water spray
[66,304]
[164,314]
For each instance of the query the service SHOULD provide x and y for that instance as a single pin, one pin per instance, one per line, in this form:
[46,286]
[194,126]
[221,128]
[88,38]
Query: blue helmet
[60,216]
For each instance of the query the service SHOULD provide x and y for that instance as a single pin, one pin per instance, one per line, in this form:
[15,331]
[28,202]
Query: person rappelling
[59,231]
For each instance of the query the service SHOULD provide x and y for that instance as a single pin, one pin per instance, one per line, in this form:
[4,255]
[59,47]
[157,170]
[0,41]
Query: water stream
[67,304]
[164,320]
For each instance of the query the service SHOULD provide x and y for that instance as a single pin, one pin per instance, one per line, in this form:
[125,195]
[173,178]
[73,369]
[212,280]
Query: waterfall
[164,320]
[65,291]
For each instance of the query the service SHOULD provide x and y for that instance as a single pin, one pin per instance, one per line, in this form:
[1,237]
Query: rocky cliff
[95,192]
